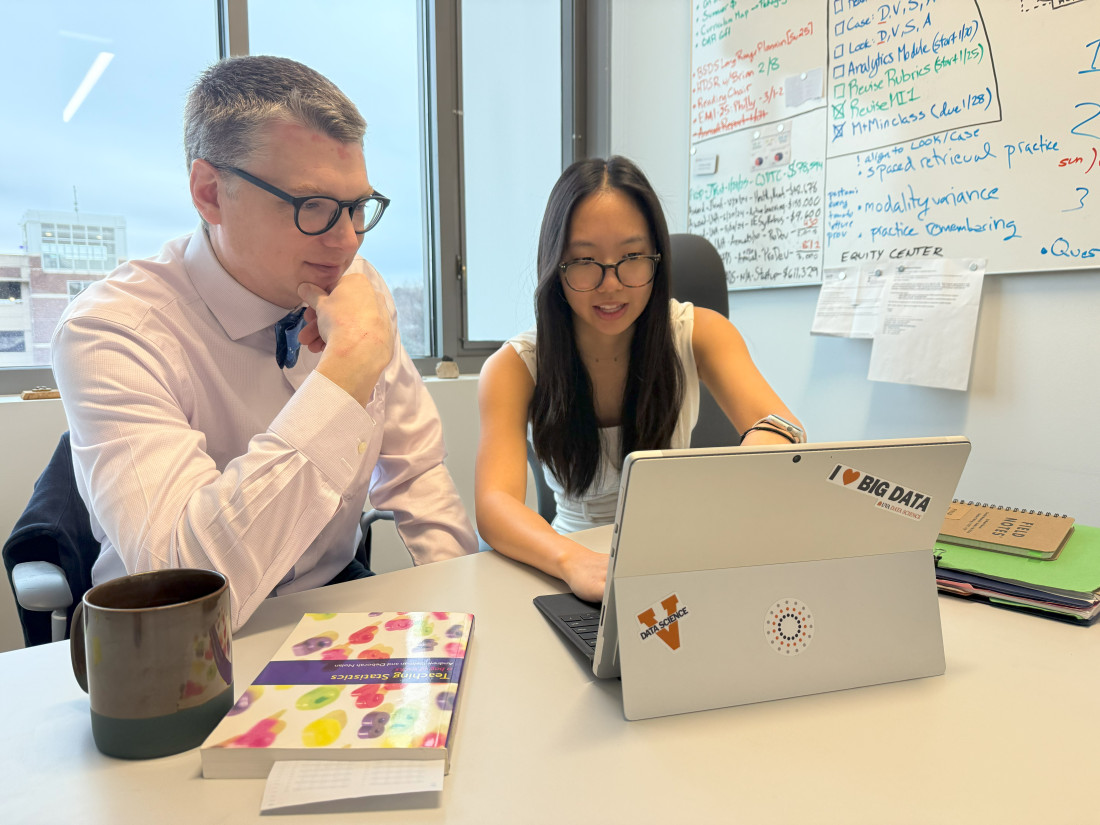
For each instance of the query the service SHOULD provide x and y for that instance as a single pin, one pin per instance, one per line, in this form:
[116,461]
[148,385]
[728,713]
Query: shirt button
[362,447]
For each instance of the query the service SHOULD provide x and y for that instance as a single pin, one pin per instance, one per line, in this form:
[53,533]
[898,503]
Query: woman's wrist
[569,558]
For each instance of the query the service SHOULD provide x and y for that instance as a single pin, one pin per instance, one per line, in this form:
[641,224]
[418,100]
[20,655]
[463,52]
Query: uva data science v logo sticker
[895,498]
[662,621]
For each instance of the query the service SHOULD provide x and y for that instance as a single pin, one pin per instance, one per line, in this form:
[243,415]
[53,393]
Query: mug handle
[76,646]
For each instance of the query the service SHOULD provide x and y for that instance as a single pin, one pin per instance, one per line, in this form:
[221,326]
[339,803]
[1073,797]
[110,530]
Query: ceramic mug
[153,652]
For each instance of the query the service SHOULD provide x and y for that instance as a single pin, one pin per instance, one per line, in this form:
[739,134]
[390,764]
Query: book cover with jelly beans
[355,680]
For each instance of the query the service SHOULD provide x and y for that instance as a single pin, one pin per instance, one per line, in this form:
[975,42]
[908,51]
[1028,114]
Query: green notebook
[1076,568]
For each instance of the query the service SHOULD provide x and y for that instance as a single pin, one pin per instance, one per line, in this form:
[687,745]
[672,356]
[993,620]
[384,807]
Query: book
[348,686]
[1068,585]
[1005,530]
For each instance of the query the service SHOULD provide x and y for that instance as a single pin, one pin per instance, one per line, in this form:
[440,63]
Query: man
[201,435]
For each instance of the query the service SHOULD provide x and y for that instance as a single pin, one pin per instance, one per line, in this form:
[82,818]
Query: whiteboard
[825,132]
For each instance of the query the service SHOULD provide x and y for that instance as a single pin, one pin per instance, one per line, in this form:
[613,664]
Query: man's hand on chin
[352,326]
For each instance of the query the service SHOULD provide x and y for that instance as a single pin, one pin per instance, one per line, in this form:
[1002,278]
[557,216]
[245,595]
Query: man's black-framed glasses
[316,214]
[585,274]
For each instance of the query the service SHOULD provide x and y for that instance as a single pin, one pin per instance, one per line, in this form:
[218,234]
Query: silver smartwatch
[796,433]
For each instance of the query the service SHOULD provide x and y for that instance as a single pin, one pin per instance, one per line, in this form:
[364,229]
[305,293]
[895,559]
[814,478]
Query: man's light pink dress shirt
[194,449]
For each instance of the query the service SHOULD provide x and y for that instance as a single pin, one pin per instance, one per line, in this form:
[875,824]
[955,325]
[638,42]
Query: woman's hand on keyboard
[585,571]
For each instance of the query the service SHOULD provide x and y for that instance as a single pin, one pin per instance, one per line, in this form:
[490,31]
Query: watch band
[763,429]
[788,429]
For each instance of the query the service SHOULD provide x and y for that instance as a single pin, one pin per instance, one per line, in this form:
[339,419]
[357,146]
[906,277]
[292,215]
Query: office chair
[50,553]
[51,550]
[544,496]
[698,276]
[362,552]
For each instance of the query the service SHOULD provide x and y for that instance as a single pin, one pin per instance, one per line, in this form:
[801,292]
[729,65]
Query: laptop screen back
[689,517]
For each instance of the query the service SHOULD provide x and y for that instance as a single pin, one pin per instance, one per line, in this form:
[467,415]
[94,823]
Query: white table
[1007,735]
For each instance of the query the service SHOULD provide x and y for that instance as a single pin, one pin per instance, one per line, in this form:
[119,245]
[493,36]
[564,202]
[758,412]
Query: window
[66,243]
[510,132]
[76,287]
[372,51]
[13,341]
[512,154]
[94,171]
[11,291]
[99,178]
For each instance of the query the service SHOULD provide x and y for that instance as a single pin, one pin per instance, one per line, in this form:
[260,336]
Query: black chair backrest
[699,276]
[54,527]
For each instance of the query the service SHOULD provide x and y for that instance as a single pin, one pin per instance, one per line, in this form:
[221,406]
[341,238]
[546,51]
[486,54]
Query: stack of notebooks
[1020,558]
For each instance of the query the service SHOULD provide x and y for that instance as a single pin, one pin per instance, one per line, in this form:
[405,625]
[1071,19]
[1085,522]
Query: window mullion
[232,28]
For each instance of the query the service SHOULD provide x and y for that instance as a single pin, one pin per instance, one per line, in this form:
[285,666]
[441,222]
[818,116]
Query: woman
[612,366]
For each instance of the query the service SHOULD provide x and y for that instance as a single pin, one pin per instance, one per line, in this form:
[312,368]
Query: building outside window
[78,247]
[95,172]
[12,341]
[76,287]
[58,246]
[15,310]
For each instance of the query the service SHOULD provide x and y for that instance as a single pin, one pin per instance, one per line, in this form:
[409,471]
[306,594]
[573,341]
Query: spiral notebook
[1067,586]
[1029,533]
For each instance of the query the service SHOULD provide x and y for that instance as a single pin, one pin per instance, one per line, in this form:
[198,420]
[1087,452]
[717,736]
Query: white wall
[1031,409]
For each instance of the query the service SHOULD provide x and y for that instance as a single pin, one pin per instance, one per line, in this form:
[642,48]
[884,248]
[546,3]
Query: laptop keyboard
[577,620]
[585,625]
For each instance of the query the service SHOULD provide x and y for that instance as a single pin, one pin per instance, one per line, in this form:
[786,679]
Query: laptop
[746,574]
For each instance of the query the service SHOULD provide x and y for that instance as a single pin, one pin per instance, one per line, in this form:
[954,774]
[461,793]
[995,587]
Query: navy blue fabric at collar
[286,338]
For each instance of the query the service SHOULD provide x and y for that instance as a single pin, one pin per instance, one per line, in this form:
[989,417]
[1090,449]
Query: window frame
[585,37]
[579,18]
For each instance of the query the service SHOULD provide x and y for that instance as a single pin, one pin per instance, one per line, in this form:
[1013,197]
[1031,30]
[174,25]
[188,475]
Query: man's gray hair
[236,98]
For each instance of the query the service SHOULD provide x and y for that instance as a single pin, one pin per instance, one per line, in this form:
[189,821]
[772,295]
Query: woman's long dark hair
[563,411]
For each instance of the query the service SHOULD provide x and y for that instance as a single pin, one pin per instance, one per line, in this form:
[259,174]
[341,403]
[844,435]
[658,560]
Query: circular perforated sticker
[789,627]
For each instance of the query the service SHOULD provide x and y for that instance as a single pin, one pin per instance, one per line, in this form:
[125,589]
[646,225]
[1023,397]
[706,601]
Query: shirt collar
[239,311]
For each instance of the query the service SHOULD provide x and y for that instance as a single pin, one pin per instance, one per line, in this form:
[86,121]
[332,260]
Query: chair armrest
[373,515]
[40,586]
